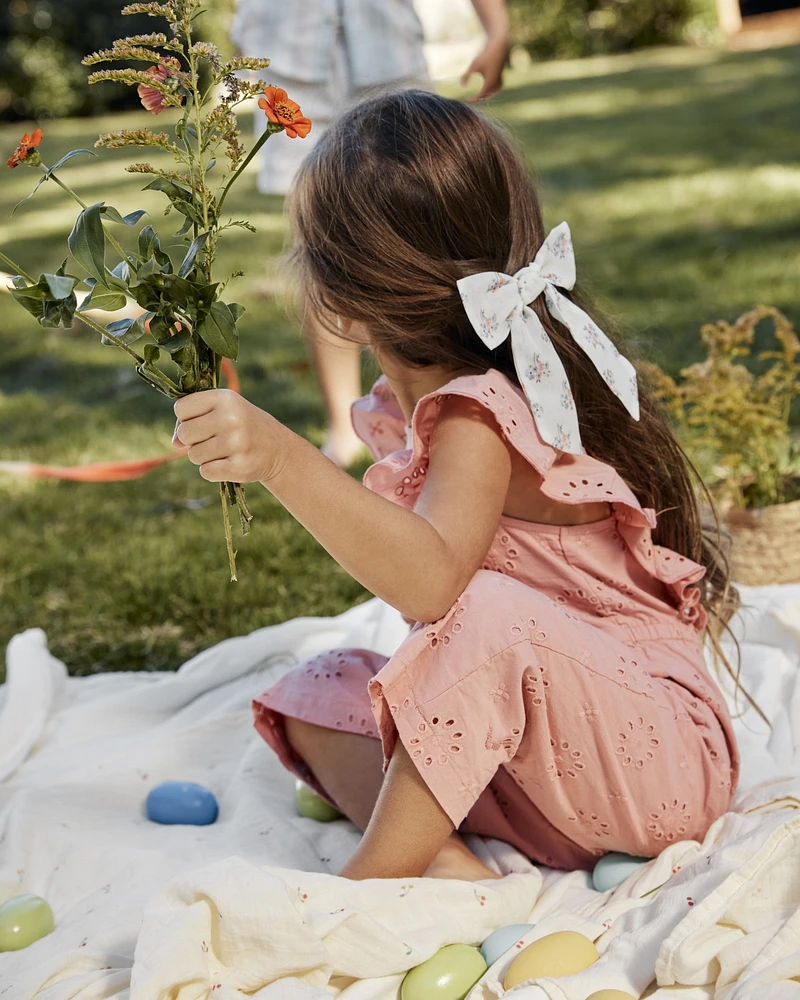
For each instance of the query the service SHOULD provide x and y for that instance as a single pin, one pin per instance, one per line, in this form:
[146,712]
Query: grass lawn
[679,172]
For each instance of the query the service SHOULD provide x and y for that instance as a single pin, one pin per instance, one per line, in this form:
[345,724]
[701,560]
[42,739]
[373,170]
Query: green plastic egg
[313,806]
[23,920]
[448,975]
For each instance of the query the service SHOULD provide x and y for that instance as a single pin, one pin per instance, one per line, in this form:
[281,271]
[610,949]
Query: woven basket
[765,544]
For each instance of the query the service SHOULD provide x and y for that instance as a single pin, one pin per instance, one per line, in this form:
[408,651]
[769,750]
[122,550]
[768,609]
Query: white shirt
[383,39]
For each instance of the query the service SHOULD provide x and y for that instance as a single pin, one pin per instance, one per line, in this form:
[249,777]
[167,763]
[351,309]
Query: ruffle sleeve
[566,478]
[378,420]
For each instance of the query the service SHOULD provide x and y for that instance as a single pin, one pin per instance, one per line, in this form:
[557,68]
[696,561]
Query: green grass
[679,172]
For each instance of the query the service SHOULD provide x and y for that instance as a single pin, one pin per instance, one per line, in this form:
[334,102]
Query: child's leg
[407,833]
[338,366]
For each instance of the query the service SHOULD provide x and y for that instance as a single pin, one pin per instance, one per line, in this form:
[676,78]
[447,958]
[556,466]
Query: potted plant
[733,420]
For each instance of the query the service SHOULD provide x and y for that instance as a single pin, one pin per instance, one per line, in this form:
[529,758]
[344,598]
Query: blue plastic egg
[614,868]
[181,802]
[499,941]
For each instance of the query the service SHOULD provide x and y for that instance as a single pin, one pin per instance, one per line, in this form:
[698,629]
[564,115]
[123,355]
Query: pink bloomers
[563,703]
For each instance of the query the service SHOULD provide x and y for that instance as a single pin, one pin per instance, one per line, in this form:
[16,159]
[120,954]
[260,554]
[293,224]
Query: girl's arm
[492,59]
[418,561]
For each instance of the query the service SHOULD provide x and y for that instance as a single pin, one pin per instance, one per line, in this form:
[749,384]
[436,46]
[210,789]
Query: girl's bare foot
[456,861]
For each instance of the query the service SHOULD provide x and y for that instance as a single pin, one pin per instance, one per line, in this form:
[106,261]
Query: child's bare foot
[343,447]
[456,861]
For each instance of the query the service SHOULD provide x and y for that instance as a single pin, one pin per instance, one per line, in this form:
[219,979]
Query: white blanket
[248,905]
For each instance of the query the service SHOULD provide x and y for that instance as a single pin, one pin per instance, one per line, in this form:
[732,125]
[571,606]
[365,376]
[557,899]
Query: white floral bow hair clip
[498,306]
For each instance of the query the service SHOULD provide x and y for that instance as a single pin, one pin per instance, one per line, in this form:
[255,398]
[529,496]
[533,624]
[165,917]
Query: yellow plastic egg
[561,954]
[611,995]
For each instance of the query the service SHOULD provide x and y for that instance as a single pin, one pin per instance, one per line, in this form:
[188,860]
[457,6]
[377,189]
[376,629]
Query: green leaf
[218,330]
[122,271]
[51,300]
[181,197]
[60,286]
[151,353]
[146,237]
[110,214]
[107,299]
[127,330]
[188,261]
[41,181]
[87,242]
[185,227]
[237,310]
[176,342]
[68,156]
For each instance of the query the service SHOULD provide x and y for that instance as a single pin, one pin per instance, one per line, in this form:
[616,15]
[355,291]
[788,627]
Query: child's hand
[229,439]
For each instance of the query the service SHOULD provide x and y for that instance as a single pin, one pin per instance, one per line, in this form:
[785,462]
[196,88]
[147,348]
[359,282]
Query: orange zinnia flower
[27,145]
[277,106]
[151,98]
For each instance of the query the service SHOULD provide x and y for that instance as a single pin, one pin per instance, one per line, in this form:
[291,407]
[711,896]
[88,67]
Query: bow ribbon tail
[544,381]
[617,372]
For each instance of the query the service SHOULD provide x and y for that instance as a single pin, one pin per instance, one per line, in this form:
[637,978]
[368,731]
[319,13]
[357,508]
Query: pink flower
[165,74]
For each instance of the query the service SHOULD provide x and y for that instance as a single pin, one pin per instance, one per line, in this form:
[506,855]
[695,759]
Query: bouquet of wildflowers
[185,320]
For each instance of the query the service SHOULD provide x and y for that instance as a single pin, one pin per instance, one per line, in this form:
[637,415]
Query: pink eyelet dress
[563,703]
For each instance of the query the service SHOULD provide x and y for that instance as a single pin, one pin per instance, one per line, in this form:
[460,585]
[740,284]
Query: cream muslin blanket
[250,905]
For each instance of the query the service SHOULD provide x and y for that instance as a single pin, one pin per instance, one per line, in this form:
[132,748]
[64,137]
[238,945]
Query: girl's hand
[490,64]
[229,439]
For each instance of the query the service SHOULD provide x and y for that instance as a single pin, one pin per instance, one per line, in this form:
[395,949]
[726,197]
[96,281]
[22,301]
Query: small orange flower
[277,106]
[26,148]
[153,99]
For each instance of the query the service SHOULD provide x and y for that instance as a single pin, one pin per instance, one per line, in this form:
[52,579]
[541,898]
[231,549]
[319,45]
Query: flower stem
[88,321]
[245,514]
[16,268]
[223,494]
[52,176]
[271,129]
[111,239]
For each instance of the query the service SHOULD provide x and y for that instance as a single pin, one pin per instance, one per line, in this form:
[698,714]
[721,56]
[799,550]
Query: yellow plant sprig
[733,420]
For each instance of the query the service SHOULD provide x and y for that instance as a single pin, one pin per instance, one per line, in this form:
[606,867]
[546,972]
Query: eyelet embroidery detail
[637,744]
[411,484]
[565,761]
[536,680]
[439,740]
[669,822]
[500,693]
[595,826]
[490,743]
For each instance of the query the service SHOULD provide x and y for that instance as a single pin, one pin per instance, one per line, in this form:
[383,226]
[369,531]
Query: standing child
[553,693]
[328,54]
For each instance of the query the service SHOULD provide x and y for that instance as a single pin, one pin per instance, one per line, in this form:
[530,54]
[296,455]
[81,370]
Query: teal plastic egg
[614,868]
[499,941]
[448,975]
[313,806]
[181,802]
[23,920]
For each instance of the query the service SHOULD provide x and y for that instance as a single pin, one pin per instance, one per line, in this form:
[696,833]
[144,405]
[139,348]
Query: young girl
[553,692]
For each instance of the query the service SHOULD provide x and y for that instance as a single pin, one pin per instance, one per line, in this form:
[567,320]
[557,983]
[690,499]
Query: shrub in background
[567,29]
[42,43]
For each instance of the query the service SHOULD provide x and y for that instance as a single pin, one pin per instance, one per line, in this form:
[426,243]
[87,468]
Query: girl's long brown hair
[409,192]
